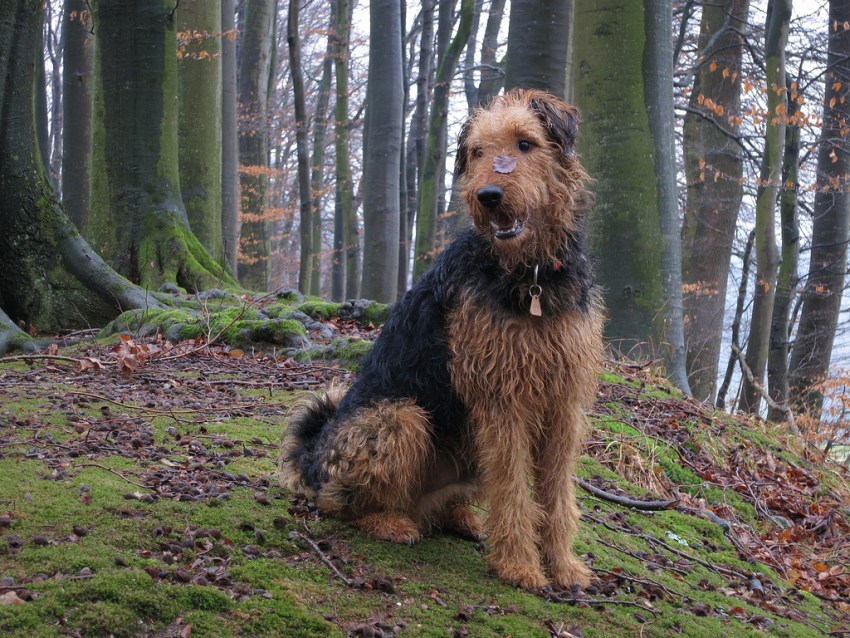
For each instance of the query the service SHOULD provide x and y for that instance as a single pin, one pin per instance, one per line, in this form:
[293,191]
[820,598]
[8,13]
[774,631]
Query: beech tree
[305,223]
[382,157]
[138,220]
[52,279]
[490,69]
[230,194]
[812,350]
[767,256]
[614,85]
[346,261]
[317,162]
[77,83]
[537,45]
[658,83]
[255,71]
[200,113]
[787,277]
[416,139]
[714,167]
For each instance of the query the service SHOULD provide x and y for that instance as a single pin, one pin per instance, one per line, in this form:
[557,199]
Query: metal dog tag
[534,308]
[534,290]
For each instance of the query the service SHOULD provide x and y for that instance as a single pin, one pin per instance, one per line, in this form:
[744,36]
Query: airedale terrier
[476,389]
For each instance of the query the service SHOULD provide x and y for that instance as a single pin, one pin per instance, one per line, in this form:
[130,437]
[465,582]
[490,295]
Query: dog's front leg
[555,491]
[505,461]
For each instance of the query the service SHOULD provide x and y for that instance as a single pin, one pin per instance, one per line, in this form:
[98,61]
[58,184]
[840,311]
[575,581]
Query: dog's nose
[490,195]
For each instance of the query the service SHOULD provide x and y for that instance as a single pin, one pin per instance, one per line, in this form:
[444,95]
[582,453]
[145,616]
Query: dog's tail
[297,464]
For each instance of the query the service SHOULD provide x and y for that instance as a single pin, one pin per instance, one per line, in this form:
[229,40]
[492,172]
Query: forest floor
[138,497]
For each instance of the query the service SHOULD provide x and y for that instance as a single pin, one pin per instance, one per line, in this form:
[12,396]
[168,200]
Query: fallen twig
[37,357]
[572,600]
[115,472]
[327,561]
[624,500]
[640,581]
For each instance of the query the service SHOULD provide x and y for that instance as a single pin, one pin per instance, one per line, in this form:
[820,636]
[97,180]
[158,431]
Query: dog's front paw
[387,526]
[522,575]
[570,573]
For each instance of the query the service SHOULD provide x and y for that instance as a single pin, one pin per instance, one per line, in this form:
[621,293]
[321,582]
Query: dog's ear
[561,121]
[462,157]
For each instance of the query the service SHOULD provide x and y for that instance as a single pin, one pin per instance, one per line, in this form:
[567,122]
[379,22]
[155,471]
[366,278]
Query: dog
[477,387]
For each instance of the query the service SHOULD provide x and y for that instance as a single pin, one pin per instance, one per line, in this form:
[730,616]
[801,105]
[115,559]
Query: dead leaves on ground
[803,525]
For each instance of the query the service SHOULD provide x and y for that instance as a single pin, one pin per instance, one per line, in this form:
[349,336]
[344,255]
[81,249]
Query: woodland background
[254,145]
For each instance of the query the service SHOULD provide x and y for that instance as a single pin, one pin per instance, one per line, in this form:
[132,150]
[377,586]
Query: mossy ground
[89,561]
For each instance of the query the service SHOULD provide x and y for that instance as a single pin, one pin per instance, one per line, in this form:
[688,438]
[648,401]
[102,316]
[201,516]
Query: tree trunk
[42,129]
[786,283]
[344,270]
[382,152]
[537,45]
[617,150]
[200,114]
[138,220]
[735,346]
[255,71]
[714,167]
[77,83]
[812,349]
[230,194]
[431,182]
[404,225]
[419,122]
[52,279]
[317,172]
[54,45]
[658,81]
[492,74]
[767,256]
[469,68]
[305,222]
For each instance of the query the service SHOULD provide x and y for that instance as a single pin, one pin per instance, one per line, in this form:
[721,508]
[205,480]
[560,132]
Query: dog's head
[519,176]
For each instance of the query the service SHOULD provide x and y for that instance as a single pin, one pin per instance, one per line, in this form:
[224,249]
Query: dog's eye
[524,146]
[478,152]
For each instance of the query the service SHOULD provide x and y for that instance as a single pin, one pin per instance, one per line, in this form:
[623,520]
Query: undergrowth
[145,504]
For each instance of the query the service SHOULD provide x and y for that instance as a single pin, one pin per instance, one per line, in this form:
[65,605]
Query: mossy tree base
[52,279]
[291,326]
[170,252]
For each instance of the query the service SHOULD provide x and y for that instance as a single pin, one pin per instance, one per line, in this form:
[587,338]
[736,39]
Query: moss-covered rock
[348,352]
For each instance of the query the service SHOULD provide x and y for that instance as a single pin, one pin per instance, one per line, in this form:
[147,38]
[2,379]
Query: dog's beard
[520,240]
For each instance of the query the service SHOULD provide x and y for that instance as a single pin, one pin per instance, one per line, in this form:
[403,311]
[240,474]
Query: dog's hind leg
[375,465]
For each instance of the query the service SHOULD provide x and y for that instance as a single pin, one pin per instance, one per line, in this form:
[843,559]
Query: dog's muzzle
[504,225]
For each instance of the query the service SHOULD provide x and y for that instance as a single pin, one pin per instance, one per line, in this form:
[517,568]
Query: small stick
[624,500]
[116,473]
[323,557]
[597,601]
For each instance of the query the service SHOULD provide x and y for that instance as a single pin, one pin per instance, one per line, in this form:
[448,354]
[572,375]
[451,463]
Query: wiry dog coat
[477,387]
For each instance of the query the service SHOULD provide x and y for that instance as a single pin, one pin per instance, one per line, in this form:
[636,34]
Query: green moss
[319,309]
[286,332]
[294,593]
[348,352]
[354,349]
[376,313]
[617,427]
